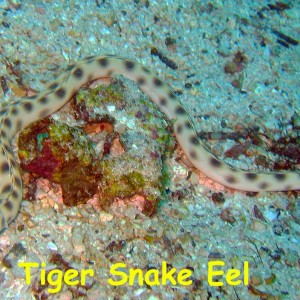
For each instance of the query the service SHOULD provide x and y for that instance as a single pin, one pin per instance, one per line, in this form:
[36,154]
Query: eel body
[28,110]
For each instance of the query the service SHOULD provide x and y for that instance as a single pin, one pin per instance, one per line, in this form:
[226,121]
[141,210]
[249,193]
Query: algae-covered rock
[77,148]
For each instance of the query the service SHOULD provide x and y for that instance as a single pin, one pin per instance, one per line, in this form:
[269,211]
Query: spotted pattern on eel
[28,110]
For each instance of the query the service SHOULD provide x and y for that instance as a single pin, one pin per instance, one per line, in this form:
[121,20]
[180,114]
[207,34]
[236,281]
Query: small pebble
[105,217]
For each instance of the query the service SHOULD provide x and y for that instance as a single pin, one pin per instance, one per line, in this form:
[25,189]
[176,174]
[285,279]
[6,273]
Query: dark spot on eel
[129,65]
[28,106]
[215,163]
[141,81]
[280,176]
[231,179]
[157,82]
[163,101]
[193,154]
[61,92]
[4,167]
[179,110]
[179,129]
[78,73]
[263,185]
[194,140]
[103,62]
[251,176]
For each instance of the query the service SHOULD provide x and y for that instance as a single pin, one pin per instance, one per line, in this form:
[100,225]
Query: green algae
[39,138]
[120,184]
[111,94]
[133,180]
[60,132]
[72,142]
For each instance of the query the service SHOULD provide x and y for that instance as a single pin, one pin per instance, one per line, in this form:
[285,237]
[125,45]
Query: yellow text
[56,277]
[151,277]
[232,276]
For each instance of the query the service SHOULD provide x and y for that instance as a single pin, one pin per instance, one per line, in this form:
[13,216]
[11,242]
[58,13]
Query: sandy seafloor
[189,229]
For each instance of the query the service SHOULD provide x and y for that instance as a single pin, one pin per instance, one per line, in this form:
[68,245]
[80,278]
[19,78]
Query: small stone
[292,259]
[271,214]
[52,246]
[77,241]
[226,215]
[258,226]
[117,147]
[218,198]
[105,217]
[256,280]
